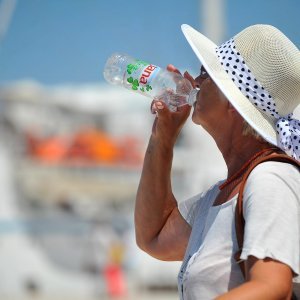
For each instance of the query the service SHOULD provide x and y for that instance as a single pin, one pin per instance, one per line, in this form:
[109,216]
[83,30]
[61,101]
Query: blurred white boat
[60,222]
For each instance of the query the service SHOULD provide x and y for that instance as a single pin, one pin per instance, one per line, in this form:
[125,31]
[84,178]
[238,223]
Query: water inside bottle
[192,98]
[113,74]
[175,100]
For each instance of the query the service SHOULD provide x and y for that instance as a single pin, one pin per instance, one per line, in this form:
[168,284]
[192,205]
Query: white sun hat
[258,71]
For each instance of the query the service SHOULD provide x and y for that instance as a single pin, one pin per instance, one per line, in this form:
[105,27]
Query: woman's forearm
[154,200]
[255,290]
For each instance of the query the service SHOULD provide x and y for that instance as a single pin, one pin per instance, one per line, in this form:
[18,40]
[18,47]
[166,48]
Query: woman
[249,86]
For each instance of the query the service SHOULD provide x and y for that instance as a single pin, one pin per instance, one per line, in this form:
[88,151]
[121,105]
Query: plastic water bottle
[149,80]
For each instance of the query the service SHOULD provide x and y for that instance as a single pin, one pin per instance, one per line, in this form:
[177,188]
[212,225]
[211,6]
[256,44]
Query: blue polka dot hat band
[287,128]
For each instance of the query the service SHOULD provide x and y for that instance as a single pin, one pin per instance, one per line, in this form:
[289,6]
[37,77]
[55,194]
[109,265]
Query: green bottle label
[140,74]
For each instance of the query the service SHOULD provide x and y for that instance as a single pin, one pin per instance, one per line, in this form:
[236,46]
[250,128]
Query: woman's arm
[267,279]
[160,229]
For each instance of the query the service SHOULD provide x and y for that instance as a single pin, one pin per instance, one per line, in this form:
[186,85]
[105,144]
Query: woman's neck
[239,150]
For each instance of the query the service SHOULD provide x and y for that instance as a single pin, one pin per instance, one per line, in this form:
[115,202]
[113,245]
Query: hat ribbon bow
[288,129]
[288,135]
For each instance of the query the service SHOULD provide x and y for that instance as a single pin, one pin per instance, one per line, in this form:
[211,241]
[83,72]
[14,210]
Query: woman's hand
[168,124]
[186,74]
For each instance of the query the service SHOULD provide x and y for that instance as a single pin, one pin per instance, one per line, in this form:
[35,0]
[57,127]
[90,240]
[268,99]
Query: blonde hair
[248,130]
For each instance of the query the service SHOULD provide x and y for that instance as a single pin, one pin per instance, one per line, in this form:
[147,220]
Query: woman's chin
[195,119]
[196,113]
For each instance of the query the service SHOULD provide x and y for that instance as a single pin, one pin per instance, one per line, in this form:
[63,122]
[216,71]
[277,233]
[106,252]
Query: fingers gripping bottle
[149,80]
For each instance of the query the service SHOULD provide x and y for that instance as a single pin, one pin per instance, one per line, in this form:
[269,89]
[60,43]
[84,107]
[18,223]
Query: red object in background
[86,147]
[115,280]
[94,145]
[52,149]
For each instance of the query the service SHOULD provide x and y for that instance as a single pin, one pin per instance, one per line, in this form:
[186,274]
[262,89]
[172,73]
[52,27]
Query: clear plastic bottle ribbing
[149,80]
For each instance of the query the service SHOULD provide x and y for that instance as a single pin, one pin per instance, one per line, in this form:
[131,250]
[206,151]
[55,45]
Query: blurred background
[72,146]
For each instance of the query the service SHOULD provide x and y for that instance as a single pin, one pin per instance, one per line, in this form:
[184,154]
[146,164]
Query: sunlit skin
[160,229]
[209,105]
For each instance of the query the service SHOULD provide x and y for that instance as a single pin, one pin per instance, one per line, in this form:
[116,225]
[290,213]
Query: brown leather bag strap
[239,217]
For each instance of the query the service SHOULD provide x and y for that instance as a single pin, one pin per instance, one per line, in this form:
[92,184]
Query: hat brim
[205,50]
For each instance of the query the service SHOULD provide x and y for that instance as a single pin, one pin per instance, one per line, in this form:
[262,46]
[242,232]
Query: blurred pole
[7,8]
[214,20]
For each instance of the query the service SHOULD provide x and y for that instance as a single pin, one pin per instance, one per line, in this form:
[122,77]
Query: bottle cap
[114,68]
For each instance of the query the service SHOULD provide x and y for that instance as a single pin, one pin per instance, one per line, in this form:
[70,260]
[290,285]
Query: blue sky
[68,41]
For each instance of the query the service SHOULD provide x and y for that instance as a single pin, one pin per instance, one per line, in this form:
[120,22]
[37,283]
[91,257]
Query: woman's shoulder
[281,169]
[273,180]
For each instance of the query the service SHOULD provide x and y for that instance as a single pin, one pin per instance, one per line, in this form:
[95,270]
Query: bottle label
[140,74]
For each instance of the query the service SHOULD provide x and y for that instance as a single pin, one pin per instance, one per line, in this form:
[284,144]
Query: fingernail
[159,105]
